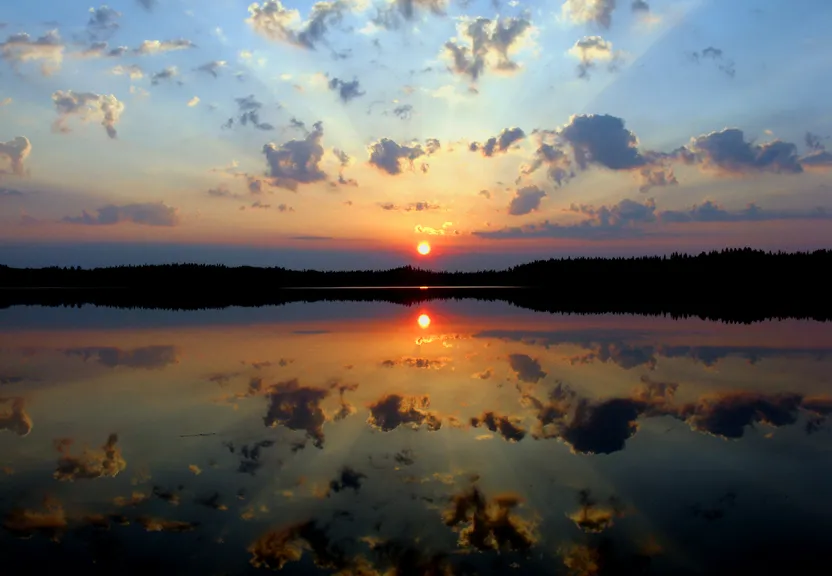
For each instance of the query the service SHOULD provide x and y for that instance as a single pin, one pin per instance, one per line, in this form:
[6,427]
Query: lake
[447,437]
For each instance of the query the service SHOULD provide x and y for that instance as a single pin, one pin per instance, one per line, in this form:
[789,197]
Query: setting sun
[423,248]
[424,320]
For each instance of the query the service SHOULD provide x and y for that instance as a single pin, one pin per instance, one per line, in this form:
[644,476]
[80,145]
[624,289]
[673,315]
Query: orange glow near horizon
[423,248]
[423,321]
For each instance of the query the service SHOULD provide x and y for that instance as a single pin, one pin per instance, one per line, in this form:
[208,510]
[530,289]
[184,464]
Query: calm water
[359,439]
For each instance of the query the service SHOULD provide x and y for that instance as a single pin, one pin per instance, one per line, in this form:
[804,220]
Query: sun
[423,248]
[424,321]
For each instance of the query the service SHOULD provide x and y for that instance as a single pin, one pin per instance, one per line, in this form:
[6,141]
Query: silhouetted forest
[741,285]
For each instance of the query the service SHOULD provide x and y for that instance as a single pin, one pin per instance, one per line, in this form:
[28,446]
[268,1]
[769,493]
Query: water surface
[446,438]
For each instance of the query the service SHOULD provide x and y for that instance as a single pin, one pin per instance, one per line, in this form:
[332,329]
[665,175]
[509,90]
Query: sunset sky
[342,134]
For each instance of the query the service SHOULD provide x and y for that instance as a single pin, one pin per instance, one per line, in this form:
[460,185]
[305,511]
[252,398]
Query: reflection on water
[463,438]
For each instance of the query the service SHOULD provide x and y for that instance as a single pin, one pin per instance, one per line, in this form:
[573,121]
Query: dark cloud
[728,151]
[710,212]
[90,464]
[248,112]
[527,368]
[274,21]
[347,478]
[489,524]
[297,161]
[346,90]
[487,43]
[505,426]
[412,207]
[602,139]
[387,155]
[716,56]
[526,200]
[397,12]
[147,4]
[212,67]
[168,73]
[728,414]
[394,410]
[150,214]
[411,362]
[147,357]
[86,106]
[640,6]
[222,191]
[403,112]
[15,420]
[278,547]
[295,407]
[250,461]
[500,143]
[592,518]
[103,22]
[344,160]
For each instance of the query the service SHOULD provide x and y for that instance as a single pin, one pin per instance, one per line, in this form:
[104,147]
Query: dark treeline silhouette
[740,285]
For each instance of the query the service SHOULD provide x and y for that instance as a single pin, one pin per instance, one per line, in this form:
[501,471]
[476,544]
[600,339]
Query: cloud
[274,21]
[134,71]
[716,55]
[487,44]
[147,4]
[151,47]
[485,194]
[589,11]
[507,427]
[212,67]
[25,523]
[297,161]
[248,112]
[90,464]
[87,106]
[347,478]
[344,160]
[501,143]
[489,523]
[388,156]
[527,368]
[149,214]
[411,362]
[592,49]
[403,112]
[394,12]
[146,357]
[394,410]
[412,207]
[710,212]
[443,231]
[16,421]
[102,50]
[168,73]
[526,200]
[640,6]
[193,101]
[47,49]
[727,152]
[621,220]
[297,407]
[15,151]
[103,22]
[346,90]
[558,164]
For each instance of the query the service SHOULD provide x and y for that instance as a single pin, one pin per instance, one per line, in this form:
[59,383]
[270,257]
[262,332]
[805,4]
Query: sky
[341,134]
